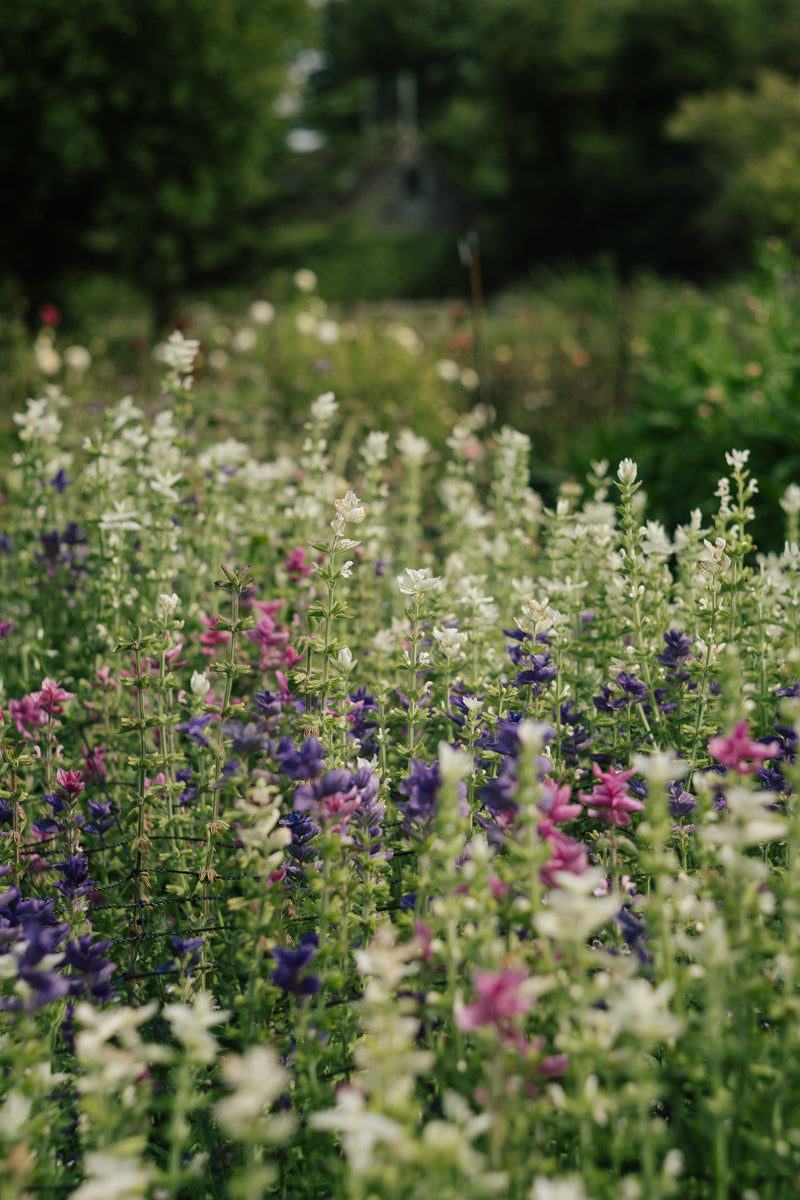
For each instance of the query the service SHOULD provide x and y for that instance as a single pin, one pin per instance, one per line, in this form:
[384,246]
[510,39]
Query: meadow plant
[456,857]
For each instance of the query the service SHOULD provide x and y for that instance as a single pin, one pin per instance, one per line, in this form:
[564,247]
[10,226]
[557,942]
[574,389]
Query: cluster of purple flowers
[49,964]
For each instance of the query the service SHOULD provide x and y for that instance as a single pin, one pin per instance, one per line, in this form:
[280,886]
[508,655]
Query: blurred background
[180,143]
[609,165]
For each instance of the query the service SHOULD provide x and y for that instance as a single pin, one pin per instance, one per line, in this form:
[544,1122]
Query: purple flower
[194,727]
[247,739]
[421,787]
[677,651]
[607,703]
[299,851]
[681,803]
[291,965]
[76,881]
[60,481]
[632,686]
[541,670]
[305,763]
[92,969]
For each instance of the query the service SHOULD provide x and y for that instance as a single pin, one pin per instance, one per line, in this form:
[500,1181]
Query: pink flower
[739,751]
[610,799]
[296,566]
[567,855]
[267,606]
[499,1002]
[51,697]
[555,802]
[95,762]
[70,782]
[214,638]
[26,714]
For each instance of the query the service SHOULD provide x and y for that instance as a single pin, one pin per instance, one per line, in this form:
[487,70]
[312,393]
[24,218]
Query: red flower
[49,314]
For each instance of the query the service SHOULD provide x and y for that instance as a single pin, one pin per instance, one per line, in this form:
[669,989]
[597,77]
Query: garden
[377,822]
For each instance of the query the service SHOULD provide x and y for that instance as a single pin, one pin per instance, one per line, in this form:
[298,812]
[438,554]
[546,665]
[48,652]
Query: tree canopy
[139,135]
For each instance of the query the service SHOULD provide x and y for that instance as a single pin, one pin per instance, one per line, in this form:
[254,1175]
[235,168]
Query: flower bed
[436,844]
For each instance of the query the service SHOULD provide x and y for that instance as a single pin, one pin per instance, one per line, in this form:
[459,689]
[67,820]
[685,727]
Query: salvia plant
[375,830]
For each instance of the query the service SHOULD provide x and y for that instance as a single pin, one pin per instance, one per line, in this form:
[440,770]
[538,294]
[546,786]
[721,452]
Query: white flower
[262,312]
[569,1187]
[627,471]
[573,912]
[48,360]
[305,323]
[190,1024]
[345,661]
[257,1079]
[200,684]
[305,280]
[451,642]
[164,482]
[124,412]
[78,359]
[14,1113]
[324,408]
[123,517]
[447,370]
[244,340]
[406,337]
[539,617]
[168,604]
[412,448]
[737,458]
[375,448]
[634,1006]
[327,332]
[350,509]
[178,352]
[39,422]
[790,502]
[112,1176]
[470,379]
[417,583]
[360,1128]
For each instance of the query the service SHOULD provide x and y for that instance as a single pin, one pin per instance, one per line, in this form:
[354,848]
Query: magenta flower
[26,714]
[610,799]
[296,566]
[51,697]
[567,855]
[70,782]
[555,802]
[739,751]
[499,1001]
[213,638]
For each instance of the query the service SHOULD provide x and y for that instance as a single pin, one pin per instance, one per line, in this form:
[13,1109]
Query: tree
[751,144]
[141,137]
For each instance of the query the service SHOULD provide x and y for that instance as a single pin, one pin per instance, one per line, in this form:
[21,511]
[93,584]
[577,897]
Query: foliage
[568,103]
[370,828]
[752,140]
[714,369]
[140,136]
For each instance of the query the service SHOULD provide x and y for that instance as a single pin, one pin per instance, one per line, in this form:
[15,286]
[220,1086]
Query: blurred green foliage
[140,137]
[554,115]
[752,142]
[714,371]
